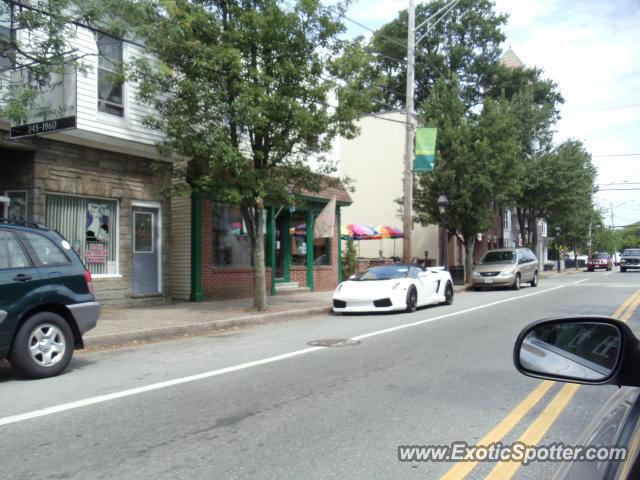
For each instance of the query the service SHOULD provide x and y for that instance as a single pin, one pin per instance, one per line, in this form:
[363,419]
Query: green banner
[425,149]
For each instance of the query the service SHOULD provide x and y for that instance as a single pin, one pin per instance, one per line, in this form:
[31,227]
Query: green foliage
[629,236]
[466,43]
[605,239]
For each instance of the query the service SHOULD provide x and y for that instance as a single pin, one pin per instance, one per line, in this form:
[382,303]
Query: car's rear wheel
[623,269]
[516,282]
[534,281]
[589,269]
[43,346]
[448,294]
[412,299]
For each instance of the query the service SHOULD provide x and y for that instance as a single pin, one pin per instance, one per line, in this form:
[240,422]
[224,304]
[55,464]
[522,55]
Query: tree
[476,168]
[244,88]
[630,236]
[559,188]
[465,43]
[534,107]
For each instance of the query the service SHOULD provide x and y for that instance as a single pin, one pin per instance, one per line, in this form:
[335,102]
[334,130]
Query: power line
[619,155]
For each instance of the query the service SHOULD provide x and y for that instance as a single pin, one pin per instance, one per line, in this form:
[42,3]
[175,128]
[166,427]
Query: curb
[160,333]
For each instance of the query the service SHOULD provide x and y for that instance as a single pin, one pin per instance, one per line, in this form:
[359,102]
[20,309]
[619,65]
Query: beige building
[375,162]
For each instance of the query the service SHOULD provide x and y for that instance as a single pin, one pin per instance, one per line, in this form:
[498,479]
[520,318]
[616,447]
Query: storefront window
[89,225]
[231,240]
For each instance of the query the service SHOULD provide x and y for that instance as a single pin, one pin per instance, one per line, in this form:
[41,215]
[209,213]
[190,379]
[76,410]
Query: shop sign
[54,106]
[96,253]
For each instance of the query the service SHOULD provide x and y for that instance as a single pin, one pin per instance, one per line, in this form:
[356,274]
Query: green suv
[46,300]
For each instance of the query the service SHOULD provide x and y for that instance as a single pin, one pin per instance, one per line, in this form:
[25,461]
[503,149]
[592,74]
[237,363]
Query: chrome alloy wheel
[47,345]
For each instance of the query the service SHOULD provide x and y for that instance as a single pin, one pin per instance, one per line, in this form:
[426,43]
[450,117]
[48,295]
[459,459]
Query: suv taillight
[87,278]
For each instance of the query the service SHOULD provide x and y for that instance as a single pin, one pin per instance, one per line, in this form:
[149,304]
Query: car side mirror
[352,277]
[591,350]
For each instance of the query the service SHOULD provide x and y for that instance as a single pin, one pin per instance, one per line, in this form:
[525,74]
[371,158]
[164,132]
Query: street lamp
[443,203]
[558,246]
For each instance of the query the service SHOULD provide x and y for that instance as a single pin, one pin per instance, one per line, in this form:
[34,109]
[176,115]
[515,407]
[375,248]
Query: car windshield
[632,251]
[601,255]
[386,272]
[501,256]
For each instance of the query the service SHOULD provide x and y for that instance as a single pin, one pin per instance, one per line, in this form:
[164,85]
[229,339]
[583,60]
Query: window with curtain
[89,225]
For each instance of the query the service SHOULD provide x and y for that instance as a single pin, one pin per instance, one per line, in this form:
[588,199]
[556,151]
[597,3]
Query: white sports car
[399,286]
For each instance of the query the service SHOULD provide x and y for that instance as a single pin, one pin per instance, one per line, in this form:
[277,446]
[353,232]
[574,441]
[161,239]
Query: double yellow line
[535,432]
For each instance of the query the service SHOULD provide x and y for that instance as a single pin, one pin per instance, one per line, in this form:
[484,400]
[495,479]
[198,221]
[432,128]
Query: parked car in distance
[46,300]
[591,350]
[398,286]
[599,260]
[630,259]
[506,267]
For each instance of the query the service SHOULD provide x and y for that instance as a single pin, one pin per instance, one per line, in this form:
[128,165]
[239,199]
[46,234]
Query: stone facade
[42,166]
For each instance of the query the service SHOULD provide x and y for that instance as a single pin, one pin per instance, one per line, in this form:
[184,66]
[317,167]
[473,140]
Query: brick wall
[223,282]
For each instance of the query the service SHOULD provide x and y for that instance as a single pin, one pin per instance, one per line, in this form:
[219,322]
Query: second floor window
[110,86]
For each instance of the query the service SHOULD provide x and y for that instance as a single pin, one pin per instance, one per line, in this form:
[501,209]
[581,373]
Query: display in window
[17,209]
[97,222]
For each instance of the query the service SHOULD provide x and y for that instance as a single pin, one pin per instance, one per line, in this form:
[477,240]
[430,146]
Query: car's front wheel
[623,269]
[412,300]
[43,346]
[516,282]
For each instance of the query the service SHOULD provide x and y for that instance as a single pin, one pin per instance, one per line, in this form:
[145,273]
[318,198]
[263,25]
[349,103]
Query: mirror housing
[592,350]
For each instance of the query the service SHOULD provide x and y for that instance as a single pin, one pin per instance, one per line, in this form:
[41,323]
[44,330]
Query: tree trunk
[254,218]
[257,247]
[521,224]
[469,247]
[534,239]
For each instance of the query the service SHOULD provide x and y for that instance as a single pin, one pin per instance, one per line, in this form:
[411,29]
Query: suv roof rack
[22,222]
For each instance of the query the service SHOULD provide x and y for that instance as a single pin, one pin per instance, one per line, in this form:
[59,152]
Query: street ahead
[261,403]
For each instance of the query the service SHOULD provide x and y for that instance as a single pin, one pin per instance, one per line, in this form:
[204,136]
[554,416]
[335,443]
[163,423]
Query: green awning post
[196,247]
[309,221]
[271,246]
[338,215]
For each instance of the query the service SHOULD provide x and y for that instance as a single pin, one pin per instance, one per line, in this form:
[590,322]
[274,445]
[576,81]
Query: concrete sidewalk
[126,325]
[119,326]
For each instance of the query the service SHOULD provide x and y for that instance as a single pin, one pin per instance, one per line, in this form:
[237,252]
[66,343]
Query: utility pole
[407,206]
[612,224]
[407,209]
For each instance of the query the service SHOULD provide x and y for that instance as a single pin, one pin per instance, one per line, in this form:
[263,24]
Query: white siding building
[375,162]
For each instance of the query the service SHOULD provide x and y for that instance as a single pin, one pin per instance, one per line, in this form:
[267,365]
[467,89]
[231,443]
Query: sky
[590,48]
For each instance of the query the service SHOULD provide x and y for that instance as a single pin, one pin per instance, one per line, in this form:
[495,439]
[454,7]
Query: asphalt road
[260,403]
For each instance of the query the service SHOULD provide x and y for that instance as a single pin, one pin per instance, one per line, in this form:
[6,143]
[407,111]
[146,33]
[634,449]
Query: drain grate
[334,342]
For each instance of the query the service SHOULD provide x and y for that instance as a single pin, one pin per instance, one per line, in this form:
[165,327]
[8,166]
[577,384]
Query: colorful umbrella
[356,231]
[382,231]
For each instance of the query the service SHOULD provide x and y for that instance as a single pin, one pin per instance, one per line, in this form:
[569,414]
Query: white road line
[580,281]
[213,373]
[440,317]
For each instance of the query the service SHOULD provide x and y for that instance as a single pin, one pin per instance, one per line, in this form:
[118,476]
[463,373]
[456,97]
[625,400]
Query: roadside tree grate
[334,342]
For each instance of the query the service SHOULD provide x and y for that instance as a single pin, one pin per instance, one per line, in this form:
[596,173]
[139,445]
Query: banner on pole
[425,149]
